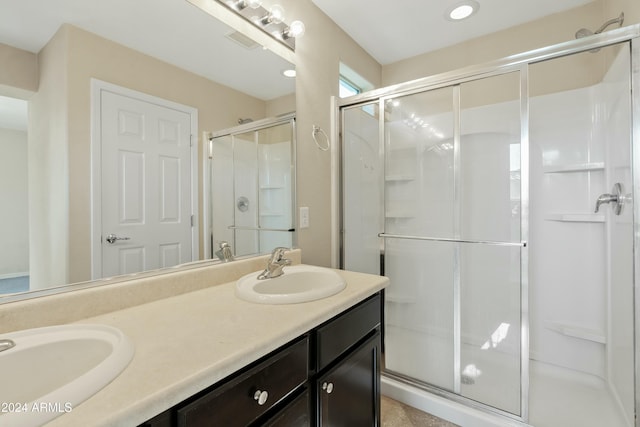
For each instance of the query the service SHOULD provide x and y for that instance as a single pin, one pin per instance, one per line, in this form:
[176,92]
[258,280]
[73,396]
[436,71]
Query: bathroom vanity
[328,376]
[203,352]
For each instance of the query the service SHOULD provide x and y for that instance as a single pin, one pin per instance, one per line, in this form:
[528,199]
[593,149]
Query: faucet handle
[278,253]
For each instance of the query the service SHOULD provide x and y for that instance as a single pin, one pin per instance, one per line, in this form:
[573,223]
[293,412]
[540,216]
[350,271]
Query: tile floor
[396,414]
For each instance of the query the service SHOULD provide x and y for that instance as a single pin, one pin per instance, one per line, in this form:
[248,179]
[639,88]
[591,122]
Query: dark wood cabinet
[349,394]
[328,377]
[347,383]
[298,413]
[251,395]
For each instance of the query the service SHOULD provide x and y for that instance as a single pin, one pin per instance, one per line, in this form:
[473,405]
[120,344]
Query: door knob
[112,238]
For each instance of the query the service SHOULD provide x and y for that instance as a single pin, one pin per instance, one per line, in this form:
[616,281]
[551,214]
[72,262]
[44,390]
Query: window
[347,88]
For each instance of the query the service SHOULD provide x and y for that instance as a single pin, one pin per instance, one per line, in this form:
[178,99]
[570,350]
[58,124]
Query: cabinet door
[349,394]
[296,414]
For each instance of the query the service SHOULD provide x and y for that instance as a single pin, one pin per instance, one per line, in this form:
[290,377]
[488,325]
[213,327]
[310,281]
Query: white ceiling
[174,31]
[394,30]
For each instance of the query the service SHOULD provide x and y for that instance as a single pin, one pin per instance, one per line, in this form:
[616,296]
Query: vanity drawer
[343,332]
[253,393]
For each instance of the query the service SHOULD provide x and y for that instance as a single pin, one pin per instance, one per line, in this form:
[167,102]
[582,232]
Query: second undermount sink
[299,283]
[46,372]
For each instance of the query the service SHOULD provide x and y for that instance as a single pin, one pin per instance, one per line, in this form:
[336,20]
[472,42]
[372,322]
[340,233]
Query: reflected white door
[146,192]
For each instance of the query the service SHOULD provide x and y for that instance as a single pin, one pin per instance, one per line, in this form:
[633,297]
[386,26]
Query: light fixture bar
[269,20]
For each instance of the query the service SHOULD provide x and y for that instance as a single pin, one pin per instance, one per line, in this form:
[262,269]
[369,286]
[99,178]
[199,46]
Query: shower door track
[513,419]
[444,239]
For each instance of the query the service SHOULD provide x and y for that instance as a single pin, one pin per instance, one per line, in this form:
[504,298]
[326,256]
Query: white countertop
[188,342]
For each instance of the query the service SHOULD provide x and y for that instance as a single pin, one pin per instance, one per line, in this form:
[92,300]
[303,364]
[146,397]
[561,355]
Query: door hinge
[192,220]
[191,140]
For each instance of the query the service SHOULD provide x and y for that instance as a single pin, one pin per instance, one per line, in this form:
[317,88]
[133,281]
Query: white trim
[97,87]
[336,204]
[206,192]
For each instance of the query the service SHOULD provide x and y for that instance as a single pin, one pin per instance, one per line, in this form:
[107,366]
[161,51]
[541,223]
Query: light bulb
[276,14]
[254,4]
[296,29]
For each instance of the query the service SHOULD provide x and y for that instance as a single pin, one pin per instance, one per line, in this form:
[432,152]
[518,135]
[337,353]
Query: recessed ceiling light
[289,73]
[462,10]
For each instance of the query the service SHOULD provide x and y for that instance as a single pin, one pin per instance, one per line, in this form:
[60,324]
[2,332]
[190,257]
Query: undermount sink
[298,283]
[48,371]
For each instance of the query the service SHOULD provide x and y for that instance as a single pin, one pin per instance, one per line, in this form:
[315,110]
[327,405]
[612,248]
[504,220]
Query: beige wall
[18,73]
[631,9]
[318,55]
[48,163]
[14,250]
[553,29]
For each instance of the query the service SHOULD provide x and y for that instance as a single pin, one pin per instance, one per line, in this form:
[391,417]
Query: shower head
[583,32]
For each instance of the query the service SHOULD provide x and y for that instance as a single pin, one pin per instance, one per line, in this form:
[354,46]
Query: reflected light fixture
[462,10]
[289,73]
[243,4]
[296,29]
[275,15]
[270,21]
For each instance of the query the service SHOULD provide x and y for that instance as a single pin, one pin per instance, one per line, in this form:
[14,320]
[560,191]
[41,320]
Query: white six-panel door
[146,184]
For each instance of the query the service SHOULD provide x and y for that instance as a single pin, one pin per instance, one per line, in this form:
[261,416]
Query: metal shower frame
[519,63]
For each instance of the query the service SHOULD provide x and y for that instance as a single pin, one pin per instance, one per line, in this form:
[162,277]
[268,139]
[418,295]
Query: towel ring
[314,134]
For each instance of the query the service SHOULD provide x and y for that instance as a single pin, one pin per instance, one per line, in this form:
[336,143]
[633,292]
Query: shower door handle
[616,197]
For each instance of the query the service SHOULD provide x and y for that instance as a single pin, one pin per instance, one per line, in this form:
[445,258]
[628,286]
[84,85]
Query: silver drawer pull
[328,387]
[261,397]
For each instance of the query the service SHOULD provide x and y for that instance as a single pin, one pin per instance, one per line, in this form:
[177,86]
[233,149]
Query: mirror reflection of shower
[252,187]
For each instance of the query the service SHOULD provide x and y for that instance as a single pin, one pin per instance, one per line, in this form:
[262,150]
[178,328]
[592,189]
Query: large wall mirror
[72,72]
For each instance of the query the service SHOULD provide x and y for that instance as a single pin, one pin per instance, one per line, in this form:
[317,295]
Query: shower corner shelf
[575,167]
[400,298]
[399,215]
[576,332]
[399,178]
[269,213]
[574,217]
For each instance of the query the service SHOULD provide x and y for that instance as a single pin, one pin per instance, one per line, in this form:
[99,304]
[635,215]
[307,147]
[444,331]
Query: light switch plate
[304,217]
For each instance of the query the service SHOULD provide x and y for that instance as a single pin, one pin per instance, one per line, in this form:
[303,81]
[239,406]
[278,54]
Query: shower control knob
[260,397]
[328,387]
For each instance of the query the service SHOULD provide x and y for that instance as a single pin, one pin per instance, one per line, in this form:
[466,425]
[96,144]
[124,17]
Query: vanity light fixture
[243,4]
[462,10]
[270,20]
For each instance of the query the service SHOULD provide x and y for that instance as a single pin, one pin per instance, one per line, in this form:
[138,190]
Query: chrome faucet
[6,344]
[275,264]
[225,253]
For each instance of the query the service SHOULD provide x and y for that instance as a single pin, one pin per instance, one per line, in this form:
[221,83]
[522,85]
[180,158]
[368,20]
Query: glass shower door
[419,201]
[452,239]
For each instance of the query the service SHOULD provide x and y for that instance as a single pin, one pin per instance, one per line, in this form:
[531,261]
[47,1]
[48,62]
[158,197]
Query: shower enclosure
[499,200]
[251,184]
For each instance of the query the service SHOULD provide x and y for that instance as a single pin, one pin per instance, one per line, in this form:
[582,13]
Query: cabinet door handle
[260,397]
[328,387]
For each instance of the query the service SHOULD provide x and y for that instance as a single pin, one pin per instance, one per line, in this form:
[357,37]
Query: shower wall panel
[568,248]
